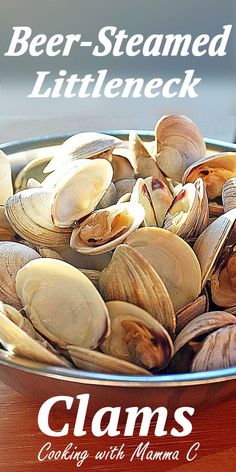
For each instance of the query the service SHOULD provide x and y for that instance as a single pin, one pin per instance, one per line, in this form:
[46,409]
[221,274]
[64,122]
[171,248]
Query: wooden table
[21,441]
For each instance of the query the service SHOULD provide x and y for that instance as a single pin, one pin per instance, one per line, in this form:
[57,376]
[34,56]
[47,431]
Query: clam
[6,188]
[77,315]
[144,164]
[141,195]
[13,256]
[223,281]
[173,260]
[29,213]
[109,197]
[137,337]
[6,231]
[104,229]
[95,361]
[229,194]
[82,146]
[121,165]
[203,325]
[203,218]
[161,198]
[83,261]
[178,145]
[18,341]
[190,312]
[210,243]
[129,277]
[214,170]
[33,172]
[210,357]
[80,191]
[123,187]
[182,216]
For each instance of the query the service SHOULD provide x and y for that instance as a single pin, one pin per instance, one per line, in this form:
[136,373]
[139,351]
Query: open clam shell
[29,213]
[214,170]
[218,350]
[141,195]
[13,256]
[210,243]
[223,281]
[98,362]
[77,315]
[80,191]
[33,172]
[144,164]
[182,217]
[82,146]
[202,325]
[105,229]
[161,198]
[129,277]
[17,341]
[137,337]
[178,145]
[173,260]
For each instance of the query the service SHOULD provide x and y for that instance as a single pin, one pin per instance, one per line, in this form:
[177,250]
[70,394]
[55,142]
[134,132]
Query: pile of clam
[120,257]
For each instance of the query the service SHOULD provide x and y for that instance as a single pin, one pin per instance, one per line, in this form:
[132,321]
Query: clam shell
[214,170]
[178,145]
[80,191]
[144,164]
[98,362]
[105,229]
[190,312]
[62,303]
[29,213]
[123,187]
[33,171]
[6,188]
[20,343]
[218,351]
[82,146]
[141,195]
[108,199]
[84,261]
[229,194]
[183,215]
[203,324]
[122,167]
[161,198]
[13,256]
[129,277]
[6,231]
[223,287]
[137,337]
[173,260]
[209,244]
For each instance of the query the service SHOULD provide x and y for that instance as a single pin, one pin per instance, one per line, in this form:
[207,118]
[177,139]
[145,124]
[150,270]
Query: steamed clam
[223,281]
[104,229]
[77,316]
[137,337]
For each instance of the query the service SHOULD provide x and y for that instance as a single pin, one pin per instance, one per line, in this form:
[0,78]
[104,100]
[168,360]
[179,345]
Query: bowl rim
[93,378]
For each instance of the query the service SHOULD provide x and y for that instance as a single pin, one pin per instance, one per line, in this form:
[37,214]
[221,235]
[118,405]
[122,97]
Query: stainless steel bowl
[201,389]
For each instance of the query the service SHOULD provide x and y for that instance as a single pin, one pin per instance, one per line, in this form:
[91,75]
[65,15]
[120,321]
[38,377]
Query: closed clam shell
[62,303]
[17,341]
[223,281]
[179,144]
[203,324]
[190,312]
[29,213]
[6,188]
[214,170]
[76,195]
[137,337]
[98,362]
[218,350]
[173,260]
[211,241]
[129,277]
[82,146]
[105,229]
[13,256]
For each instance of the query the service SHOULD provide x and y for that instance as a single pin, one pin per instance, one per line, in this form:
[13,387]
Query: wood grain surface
[21,441]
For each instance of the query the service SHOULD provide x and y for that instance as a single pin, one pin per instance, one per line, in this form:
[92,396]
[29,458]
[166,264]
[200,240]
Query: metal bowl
[201,389]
